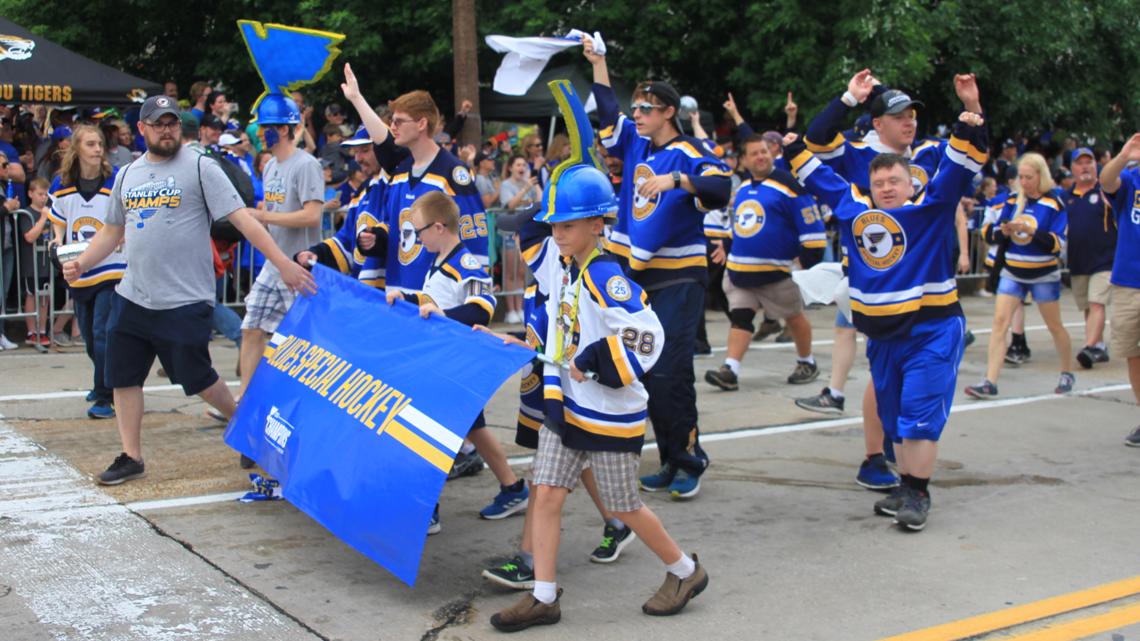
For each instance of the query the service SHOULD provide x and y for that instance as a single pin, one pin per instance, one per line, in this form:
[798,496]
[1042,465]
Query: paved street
[1032,535]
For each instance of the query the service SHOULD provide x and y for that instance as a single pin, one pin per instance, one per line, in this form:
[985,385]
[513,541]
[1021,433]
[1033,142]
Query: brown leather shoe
[675,593]
[526,612]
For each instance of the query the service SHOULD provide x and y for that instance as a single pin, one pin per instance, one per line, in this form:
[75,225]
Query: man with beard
[162,204]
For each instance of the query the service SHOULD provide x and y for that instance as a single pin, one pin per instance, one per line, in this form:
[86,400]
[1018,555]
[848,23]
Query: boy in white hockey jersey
[605,337]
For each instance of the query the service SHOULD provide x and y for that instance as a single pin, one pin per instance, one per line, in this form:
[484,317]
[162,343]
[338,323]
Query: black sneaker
[614,540]
[824,403]
[514,574]
[702,348]
[785,336]
[1065,383]
[1133,439]
[767,328]
[1085,357]
[804,373]
[1100,355]
[970,338]
[722,378]
[984,390]
[915,508]
[466,465]
[246,462]
[891,505]
[123,469]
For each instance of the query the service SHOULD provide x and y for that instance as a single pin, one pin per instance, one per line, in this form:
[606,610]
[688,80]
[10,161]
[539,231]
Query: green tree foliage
[1041,65]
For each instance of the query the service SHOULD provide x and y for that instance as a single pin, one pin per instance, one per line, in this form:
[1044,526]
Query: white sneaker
[513,317]
[6,344]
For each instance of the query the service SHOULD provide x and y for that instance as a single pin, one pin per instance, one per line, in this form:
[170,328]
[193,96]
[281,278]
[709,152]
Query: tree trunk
[466,66]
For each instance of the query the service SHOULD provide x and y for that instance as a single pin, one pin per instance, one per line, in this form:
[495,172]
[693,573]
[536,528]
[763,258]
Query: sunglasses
[398,122]
[645,108]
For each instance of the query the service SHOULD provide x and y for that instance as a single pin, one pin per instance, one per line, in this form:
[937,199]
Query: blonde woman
[1031,232]
[80,200]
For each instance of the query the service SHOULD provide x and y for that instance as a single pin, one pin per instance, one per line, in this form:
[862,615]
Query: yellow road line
[1018,615]
[1081,628]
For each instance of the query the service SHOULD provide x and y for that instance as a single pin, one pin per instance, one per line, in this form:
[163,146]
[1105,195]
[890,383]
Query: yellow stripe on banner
[269,352]
[668,263]
[929,300]
[1019,615]
[617,353]
[633,431]
[410,440]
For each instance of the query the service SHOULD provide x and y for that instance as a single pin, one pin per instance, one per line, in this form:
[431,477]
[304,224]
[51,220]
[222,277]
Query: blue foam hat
[578,187]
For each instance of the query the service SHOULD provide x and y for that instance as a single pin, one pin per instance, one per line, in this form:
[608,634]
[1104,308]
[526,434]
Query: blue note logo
[143,201]
[880,239]
[750,218]
[277,430]
[84,228]
[410,246]
[643,207]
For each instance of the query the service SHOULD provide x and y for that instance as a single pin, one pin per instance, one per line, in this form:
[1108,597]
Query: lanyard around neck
[564,325]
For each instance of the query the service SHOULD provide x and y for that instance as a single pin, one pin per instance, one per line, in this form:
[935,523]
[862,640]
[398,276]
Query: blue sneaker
[433,524]
[684,485]
[101,410]
[91,396]
[660,480]
[875,475]
[506,503]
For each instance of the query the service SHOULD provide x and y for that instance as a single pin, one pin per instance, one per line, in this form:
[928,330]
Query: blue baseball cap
[1081,151]
[60,133]
[359,139]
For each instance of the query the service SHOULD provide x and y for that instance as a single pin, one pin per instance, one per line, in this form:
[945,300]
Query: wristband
[676,179]
[849,99]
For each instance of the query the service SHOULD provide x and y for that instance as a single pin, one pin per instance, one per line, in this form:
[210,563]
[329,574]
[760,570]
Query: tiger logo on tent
[15,47]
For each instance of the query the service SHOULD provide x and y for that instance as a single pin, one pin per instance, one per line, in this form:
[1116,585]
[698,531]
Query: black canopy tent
[34,69]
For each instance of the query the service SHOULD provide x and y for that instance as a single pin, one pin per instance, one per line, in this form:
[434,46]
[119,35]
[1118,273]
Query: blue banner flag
[359,409]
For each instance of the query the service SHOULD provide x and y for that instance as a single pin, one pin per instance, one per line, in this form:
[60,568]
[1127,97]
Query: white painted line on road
[45,396]
[733,435]
[860,338]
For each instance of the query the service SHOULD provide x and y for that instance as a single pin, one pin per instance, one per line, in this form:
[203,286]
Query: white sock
[615,523]
[682,569]
[546,591]
[1099,345]
[733,365]
[836,394]
[527,558]
[809,359]
[467,447]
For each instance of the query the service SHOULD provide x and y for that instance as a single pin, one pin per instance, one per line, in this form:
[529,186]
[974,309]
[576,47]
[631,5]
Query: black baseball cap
[892,102]
[158,106]
[213,122]
[668,96]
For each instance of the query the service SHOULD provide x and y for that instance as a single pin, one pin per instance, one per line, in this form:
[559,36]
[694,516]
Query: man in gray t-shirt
[162,206]
[294,197]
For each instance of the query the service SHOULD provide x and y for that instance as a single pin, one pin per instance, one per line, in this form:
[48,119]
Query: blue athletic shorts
[179,337]
[915,377]
[1042,292]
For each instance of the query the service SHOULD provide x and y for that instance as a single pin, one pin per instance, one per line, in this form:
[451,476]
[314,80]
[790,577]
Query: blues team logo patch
[1024,237]
[461,176]
[749,218]
[84,228]
[880,239]
[410,246]
[918,176]
[618,288]
[643,207]
[468,261]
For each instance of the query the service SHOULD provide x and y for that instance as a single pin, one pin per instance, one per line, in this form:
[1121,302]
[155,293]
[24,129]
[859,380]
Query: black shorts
[179,337]
[34,285]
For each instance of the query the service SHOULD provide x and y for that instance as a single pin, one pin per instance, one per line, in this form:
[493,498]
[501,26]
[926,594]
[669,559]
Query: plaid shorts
[268,301]
[615,472]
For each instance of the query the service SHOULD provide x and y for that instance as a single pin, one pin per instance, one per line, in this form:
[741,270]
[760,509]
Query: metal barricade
[15,275]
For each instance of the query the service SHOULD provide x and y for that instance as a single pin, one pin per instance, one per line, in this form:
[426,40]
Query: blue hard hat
[275,109]
[581,191]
